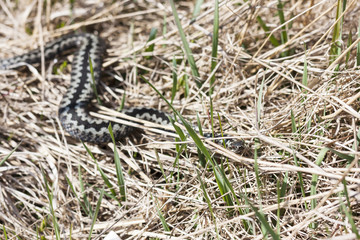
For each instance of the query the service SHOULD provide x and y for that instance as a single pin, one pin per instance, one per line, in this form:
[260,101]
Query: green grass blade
[52,211]
[347,210]
[208,201]
[122,105]
[178,130]
[301,181]
[58,69]
[197,9]
[84,196]
[103,175]
[10,153]
[201,156]
[261,216]
[93,83]
[284,186]
[279,200]
[77,197]
[96,213]
[305,76]
[314,179]
[199,124]
[212,117]
[263,25]
[174,78]
[4,231]
[187,49]
[335,49]
[160,166]
[284,35]
[162,219]
[221,130]
[293,123]
[349,42]
[119,173]
[215,39]
[152,36]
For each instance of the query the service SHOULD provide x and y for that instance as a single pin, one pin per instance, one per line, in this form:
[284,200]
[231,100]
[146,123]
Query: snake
[74,108]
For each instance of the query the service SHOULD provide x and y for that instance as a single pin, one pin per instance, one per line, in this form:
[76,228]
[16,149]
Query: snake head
[236,146]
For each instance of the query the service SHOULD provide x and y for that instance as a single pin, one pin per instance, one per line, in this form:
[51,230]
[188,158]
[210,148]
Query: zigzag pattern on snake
[74,107]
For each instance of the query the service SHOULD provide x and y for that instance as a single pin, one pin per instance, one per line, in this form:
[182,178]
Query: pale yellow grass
[326,115]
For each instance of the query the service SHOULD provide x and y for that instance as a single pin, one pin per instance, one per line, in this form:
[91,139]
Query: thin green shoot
[85,209]
[212,117]
[314,180]
[257,141]
[208,201]
[201,156]
[122,105]
[197,9]
[161,166]
[96,213]
[278,212]
[355,145]
[102,173]
[52,211]
[221,130]
[178,130]
[9,155]
[187,49]
[284,35]
[183,82]
[214,51]
[305,76]
[335,49]
[182,147]
[284,186]
[263,25]
[4,232]
[93,82]
[152,36]
[84,196]
[261,216]
[347,210]
[62,66]
[294,130]
[301,180]
[176,164]
[349,42]
[162,219]
[174,78]
[293,123]
[119,173]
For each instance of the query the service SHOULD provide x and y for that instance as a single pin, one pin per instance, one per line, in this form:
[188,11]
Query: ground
[284,79]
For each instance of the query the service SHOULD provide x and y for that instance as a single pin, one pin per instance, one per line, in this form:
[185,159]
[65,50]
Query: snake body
[74,107]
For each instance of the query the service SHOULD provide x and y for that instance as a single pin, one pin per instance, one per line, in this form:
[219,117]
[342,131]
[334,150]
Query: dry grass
[325,115]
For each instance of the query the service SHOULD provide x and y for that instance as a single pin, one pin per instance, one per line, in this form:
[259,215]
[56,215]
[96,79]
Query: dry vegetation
[301,145]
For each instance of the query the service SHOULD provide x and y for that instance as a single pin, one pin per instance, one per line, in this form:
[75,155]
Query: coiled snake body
[73,110]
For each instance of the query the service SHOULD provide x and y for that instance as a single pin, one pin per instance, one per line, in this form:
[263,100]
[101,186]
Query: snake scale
[74,107]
